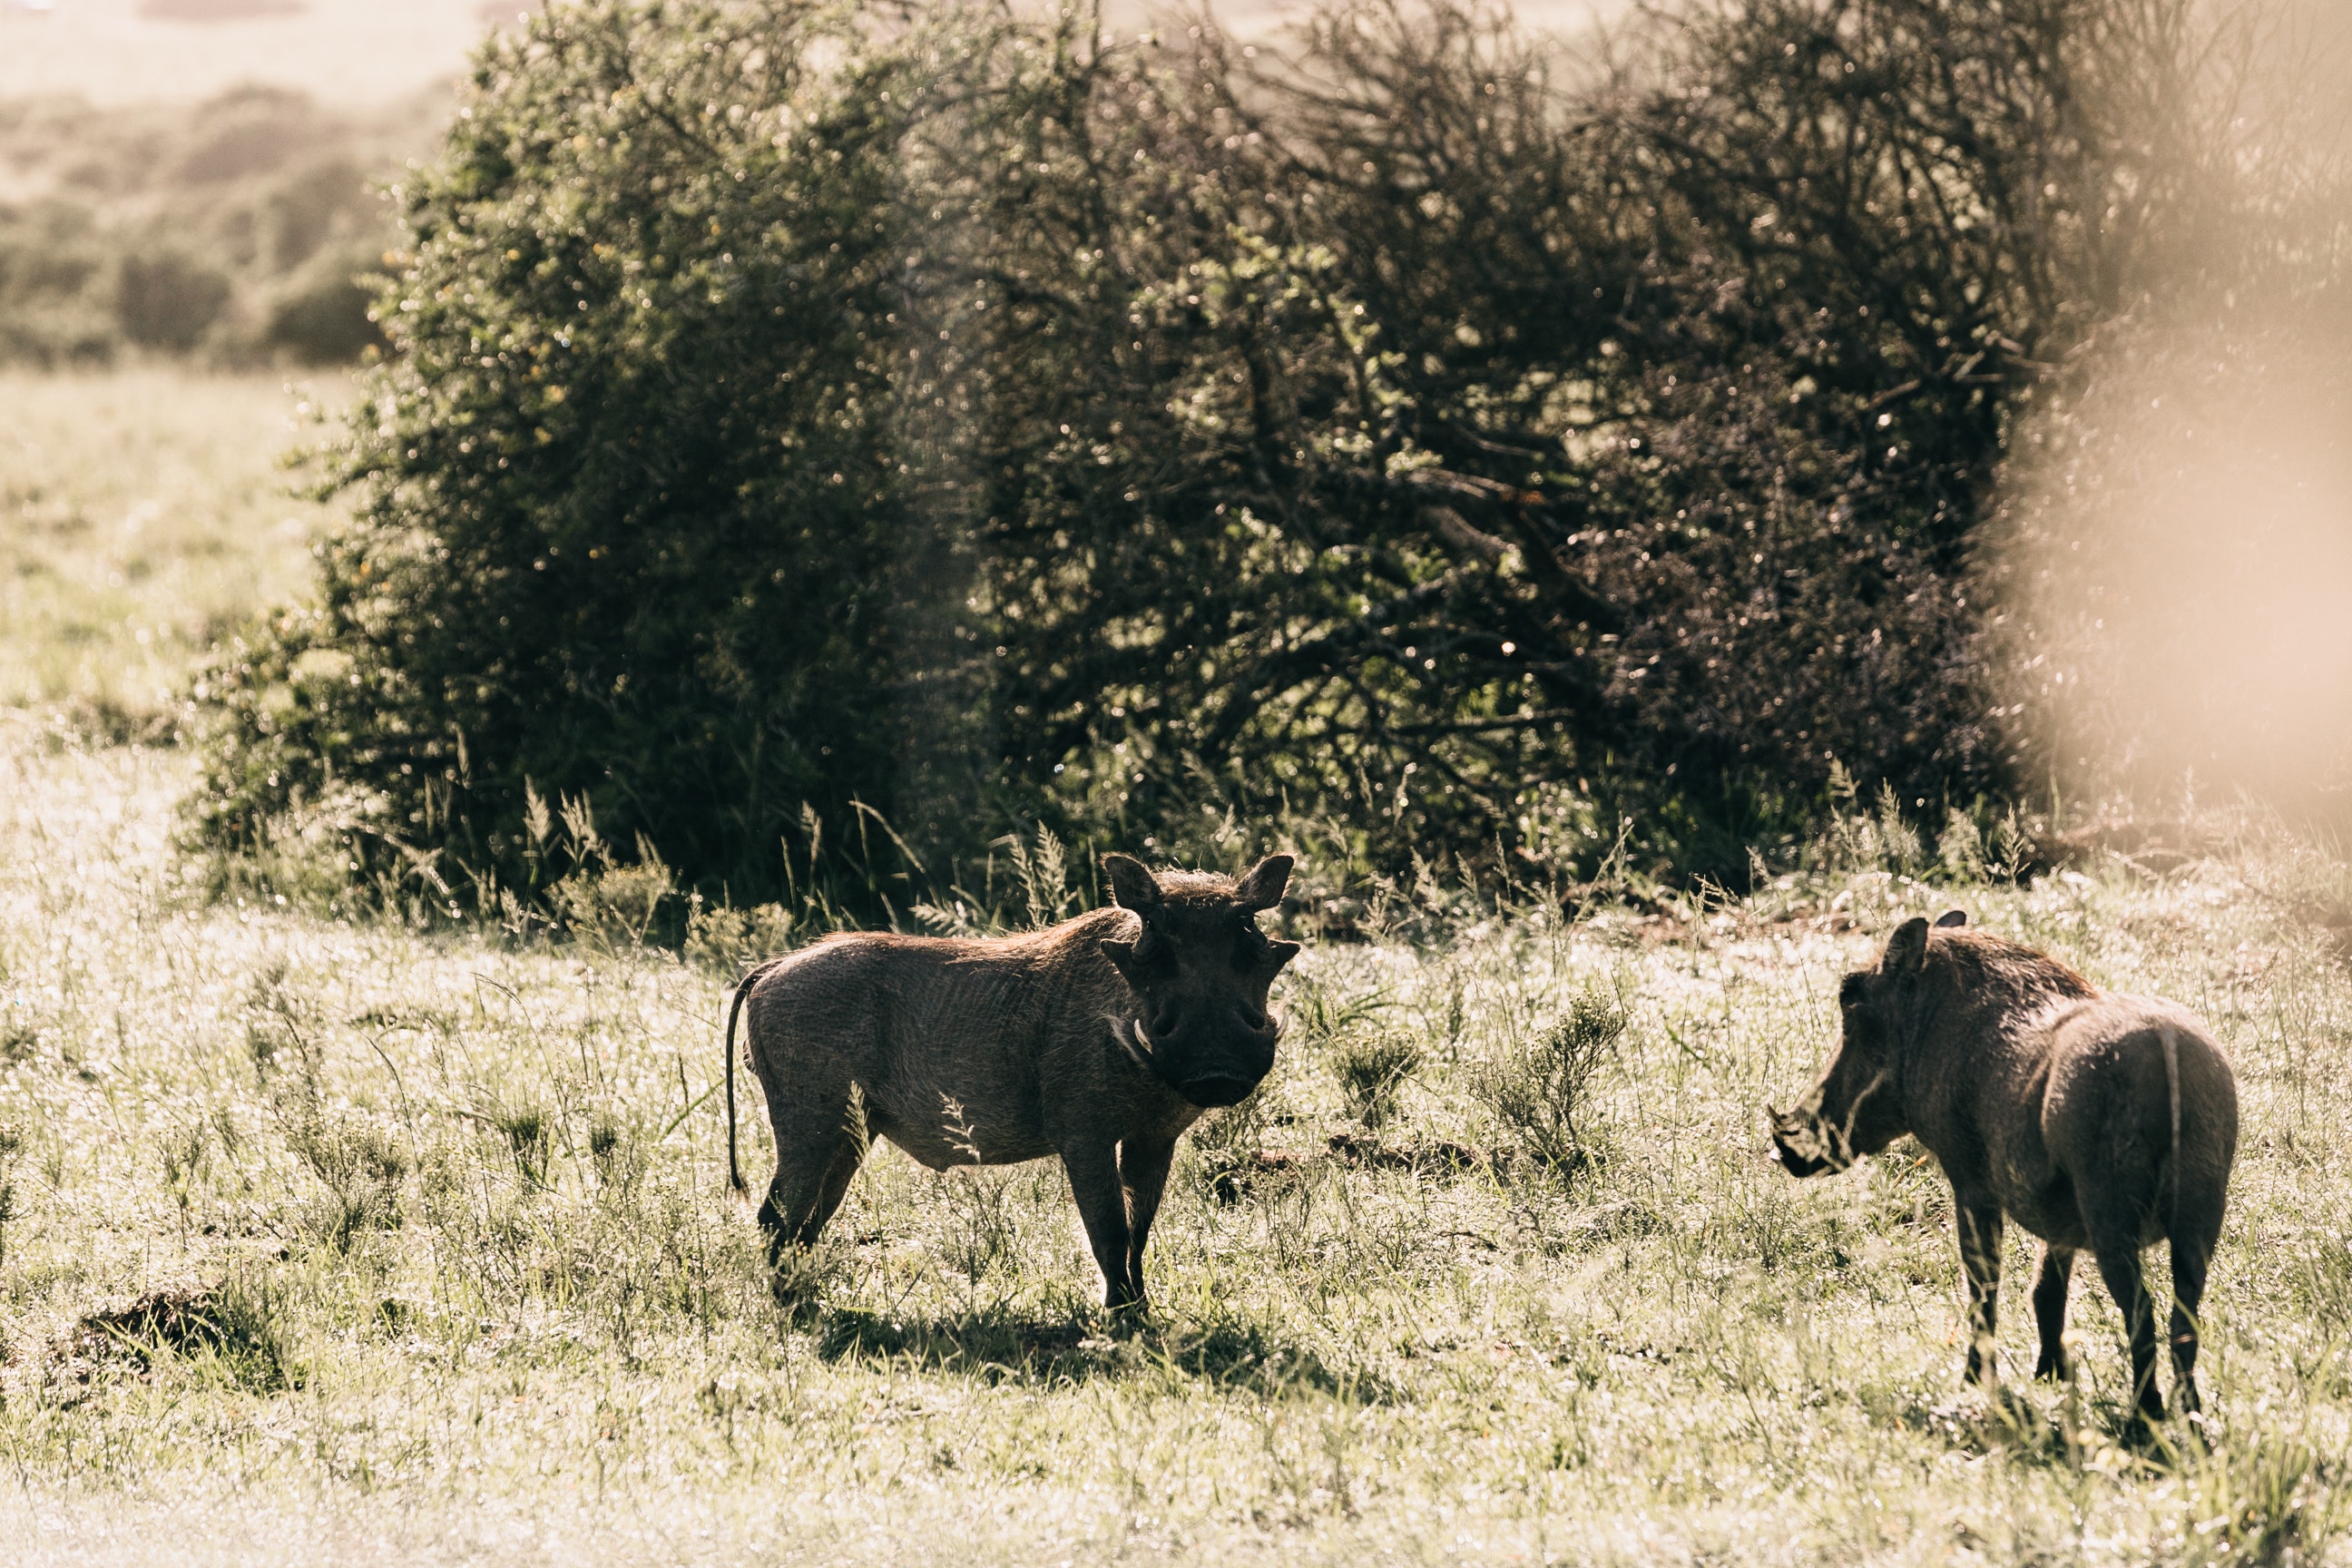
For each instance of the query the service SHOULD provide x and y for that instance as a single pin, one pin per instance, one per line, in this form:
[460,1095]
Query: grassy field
[333,1238]
[141,513]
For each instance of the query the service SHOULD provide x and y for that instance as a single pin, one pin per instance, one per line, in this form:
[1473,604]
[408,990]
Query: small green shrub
[1536,1087]
[615,906]
[1372,1068]
[253,1343]
[528,1130]
[361,1166]
[2271,1499]
[730,940]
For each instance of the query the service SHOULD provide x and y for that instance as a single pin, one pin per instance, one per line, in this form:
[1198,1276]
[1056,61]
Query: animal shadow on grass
[1230,1176]
[1002,1346]
[2012,1424]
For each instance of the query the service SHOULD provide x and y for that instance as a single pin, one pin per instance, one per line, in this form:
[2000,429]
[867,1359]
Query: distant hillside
[352,53]
[233,230]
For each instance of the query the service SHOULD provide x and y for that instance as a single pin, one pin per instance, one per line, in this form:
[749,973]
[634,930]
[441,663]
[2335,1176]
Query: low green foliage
[334,1227]
[1371,1070]
[794,416]
[1536,1086]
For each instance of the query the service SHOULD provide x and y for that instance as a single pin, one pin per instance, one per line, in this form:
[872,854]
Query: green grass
[326,1237]
[475,1285]
[141,513]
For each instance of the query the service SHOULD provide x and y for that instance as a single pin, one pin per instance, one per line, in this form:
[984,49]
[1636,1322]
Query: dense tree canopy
[793,418]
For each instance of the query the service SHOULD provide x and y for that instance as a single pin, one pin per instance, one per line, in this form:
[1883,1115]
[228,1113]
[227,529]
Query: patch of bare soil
[230,1326]
[184,1318]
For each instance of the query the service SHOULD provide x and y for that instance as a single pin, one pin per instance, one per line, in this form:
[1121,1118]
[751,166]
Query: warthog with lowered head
[1100,1039]
[2096,1122]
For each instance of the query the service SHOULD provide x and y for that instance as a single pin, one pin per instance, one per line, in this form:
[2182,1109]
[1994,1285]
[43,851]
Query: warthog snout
[1213,1061]
[1798,1144]
[1217,1090]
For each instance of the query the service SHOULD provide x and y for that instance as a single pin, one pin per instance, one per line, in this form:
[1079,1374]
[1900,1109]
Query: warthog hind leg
[2115,1225]
[1979,1220]
[1093,1170]
[2049,1284]
[2196,1230]
[1143,1172]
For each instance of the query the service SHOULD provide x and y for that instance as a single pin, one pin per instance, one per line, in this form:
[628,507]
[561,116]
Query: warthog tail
[734,1009]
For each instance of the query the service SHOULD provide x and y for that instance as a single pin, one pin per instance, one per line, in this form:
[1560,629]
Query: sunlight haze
[355,53]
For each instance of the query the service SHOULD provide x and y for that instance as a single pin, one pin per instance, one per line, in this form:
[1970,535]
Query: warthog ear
[1262,886]
[1122,958]
[1132,884]
[1951,918]
[1907,950]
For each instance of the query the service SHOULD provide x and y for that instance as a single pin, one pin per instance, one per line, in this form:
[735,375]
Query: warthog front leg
[1143,1172]
[806,1191]
[2049,1284]
[1093,1170]
[1978,1222]
[821,1141]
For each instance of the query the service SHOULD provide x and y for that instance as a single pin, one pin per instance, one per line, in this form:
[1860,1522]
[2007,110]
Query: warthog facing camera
[2096,1122]
[1100,1040]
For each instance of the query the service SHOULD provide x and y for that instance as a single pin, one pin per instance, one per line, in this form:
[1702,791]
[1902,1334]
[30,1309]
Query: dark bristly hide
[2099,1122]
[1100,1040]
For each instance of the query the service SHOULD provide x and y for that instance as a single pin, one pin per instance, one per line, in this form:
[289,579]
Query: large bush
[791,420]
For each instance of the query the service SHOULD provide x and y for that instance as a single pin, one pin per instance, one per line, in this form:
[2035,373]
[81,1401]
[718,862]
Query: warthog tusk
[1841,1152]
[1130,1034]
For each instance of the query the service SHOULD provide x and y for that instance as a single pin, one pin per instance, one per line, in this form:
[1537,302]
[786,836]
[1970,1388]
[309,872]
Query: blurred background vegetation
[235,230]
[1408,437]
